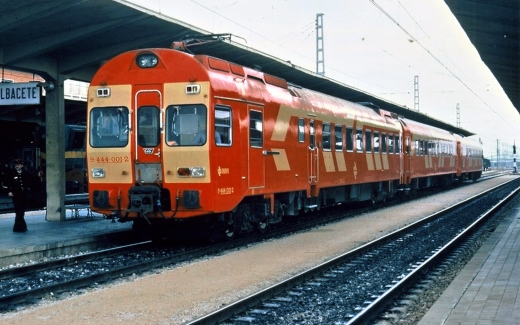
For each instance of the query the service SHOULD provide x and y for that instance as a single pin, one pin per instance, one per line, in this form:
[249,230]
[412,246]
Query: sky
[377,46]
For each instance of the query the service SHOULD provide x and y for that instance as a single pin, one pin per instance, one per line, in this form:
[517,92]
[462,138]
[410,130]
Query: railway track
[57,278]
[357,287]
[51,279]
[22,285]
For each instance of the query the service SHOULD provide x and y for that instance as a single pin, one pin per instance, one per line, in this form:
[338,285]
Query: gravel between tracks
[178,294]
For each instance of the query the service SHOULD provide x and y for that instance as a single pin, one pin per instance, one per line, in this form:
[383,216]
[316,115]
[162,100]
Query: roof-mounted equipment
[188,41]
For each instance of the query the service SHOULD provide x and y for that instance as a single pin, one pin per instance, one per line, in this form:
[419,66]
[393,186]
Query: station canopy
[73,38]
[493,26]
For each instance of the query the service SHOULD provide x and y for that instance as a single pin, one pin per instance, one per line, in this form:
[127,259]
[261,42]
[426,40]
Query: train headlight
[198,172]
[98,172]
[183,172]
[103,92]
[147,60]
[191,172]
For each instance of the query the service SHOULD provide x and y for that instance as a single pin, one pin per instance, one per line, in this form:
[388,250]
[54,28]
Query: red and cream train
[174,137]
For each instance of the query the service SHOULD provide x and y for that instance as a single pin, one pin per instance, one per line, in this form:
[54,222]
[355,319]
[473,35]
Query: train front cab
[147,143]
[155,162]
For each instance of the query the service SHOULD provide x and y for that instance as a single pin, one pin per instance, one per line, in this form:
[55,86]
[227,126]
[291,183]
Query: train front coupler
[144,200]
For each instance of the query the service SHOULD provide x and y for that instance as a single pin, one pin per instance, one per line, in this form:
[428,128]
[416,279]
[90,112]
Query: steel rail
[369,313]
[92,279]
[245,303]
[20,297]
[9,273]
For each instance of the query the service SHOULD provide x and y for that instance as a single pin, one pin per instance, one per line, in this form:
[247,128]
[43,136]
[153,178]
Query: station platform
[487,290]
[81,231]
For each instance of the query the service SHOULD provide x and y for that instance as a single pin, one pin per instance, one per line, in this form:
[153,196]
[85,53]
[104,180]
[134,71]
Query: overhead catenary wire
[438,60]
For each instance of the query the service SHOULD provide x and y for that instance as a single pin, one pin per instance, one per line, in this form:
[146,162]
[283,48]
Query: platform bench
[75,208]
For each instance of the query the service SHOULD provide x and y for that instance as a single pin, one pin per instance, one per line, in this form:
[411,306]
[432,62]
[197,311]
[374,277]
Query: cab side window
[223,126]
[301,130]
[255,129]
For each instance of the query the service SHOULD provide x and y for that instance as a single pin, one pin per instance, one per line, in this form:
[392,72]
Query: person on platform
[18,186]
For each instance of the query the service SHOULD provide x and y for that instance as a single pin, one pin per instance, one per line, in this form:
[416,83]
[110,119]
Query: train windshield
[186,125]
[109,127]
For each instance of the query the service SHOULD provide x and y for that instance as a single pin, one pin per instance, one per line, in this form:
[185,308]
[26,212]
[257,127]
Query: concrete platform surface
[487,291]
[48,239]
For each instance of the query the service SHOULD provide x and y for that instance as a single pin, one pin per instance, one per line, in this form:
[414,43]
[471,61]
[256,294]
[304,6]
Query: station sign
[26,93]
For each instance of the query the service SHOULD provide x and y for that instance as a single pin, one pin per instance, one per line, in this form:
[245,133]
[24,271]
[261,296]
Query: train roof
[248,57]
[421,130]
[471,142]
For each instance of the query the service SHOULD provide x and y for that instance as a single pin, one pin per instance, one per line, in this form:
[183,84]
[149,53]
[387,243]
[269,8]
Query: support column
[55,150]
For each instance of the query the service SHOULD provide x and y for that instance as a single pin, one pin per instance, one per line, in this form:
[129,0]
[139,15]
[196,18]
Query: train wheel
[373,199]
[403,195]
[261,226]
[229,229]
[229,234]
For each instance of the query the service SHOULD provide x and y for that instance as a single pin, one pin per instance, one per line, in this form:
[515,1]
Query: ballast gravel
[178,294]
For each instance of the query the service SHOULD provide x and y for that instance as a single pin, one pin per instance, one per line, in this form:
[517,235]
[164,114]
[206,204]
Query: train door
[313,154]
[407,158]
[459,158]
[147,130]
[256,161]
[398,148]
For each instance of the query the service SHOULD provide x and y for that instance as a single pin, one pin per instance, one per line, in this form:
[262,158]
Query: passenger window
[397,144]
[326,136]
[255,129]
[391,143]
[376,141]
[368,140]
[301,130]
[359,140]
[350,139]
[338,135]
[223,126]
[384,141]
